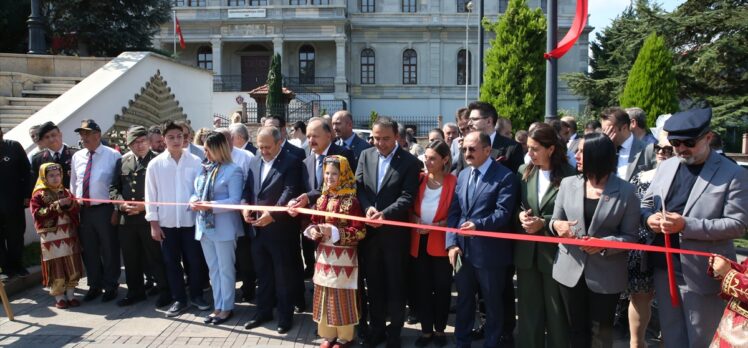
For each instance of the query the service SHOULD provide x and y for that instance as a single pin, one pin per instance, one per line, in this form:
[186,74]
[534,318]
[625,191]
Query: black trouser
[510,309]
[12,228]
[590,315]
[433,275]
[276,263]
[386,265]
[180,245]
[244,265]
[308,247]
[100,246]
[299,285]
[140,253]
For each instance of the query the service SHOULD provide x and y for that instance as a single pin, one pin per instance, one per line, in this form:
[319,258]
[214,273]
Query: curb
[17,285]
[742,251]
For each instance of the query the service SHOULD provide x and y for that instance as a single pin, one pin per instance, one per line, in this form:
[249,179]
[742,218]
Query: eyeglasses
[476,119]
[470,149]
[687,142]
[665,149]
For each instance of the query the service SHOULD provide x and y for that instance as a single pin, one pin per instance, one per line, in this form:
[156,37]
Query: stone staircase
[14,110]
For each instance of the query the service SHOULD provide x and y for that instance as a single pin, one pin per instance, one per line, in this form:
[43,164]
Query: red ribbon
[571,37]
[674,294]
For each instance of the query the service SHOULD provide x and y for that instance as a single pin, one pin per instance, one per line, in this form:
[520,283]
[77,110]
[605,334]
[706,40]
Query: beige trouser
[59,286]
[342,333]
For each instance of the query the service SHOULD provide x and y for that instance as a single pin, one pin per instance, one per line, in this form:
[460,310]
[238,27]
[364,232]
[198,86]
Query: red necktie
[87,177]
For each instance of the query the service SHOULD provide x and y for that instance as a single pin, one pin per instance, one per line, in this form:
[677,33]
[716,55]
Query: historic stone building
[404,58]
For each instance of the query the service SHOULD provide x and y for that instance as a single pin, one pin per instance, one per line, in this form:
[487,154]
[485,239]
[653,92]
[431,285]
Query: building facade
[405,58]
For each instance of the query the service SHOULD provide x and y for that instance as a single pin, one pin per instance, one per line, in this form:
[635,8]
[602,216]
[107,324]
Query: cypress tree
[651,84]
[274,102]
[514,79]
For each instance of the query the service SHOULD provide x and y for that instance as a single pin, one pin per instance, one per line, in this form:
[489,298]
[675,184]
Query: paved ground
[39,324]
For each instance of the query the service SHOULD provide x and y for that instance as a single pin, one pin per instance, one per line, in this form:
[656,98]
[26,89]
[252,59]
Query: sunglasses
[665,149]
[687,142]
[471,149]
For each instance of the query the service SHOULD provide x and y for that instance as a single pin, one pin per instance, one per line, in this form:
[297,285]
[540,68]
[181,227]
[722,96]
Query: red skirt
[339,305]
[69,268]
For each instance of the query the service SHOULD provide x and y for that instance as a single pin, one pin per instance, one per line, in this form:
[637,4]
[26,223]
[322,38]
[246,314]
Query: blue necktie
[472,183]
[318,178]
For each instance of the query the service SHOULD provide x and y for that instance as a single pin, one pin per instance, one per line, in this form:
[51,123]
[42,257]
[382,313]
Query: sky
[602,12]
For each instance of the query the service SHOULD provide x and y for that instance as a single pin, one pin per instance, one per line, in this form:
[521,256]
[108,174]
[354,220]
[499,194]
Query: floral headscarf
[347,181]
[42,183]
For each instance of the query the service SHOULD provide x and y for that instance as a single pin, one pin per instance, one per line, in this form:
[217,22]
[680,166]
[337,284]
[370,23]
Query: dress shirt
[334,233]
[241,158]
[347,142]
[383,165]
[266,165]
[544,181]
[102,171]
[170,181]
[623,156]
[483,169]
[317,163]
[492,136]
[571,140]
[298,142]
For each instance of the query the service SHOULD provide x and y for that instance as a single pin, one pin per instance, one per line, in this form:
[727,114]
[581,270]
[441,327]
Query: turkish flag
[179,32]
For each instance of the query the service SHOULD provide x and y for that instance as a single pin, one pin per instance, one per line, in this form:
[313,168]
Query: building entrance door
[254,71]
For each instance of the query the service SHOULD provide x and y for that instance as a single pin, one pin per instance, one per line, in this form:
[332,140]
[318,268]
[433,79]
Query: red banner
[577,27]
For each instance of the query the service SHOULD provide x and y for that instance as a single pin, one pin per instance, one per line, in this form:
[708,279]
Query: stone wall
[49,65]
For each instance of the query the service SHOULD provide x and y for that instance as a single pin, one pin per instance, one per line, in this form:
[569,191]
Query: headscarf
[205,183]
[42,183]
[347,181]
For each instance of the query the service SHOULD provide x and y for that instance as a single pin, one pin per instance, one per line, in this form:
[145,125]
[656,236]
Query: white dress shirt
[241,158]
[383,165]
[623,156]
[266,165]
[544,181]
[169,181]
[102,171]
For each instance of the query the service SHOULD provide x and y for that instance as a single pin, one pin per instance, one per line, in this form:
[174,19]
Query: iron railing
[316,84]
[227,83]
[421,124]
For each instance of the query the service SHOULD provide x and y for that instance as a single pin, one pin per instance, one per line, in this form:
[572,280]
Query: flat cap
[135,132]
[45,128]
[688,124]
[89,125]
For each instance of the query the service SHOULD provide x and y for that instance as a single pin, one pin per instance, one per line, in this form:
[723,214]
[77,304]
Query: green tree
[651,83]
[514,79]
[274,101]
[13,16]
[107,27]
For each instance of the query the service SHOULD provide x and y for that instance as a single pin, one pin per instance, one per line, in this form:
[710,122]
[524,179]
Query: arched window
[462,6]
[410,67]
[306,64]
[462,65]
[205,57]
[367,6]
[367,67]
[409,6]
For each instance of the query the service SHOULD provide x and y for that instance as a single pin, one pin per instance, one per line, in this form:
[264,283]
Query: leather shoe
[218,320]
[282,329]
[256,322]
[129,300]
[209,319]
[300,308]
[92,294]
[109,295]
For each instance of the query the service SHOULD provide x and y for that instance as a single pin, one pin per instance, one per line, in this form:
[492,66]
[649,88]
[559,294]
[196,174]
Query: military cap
[45,128]
[135,132]
[89,125]
[688,124]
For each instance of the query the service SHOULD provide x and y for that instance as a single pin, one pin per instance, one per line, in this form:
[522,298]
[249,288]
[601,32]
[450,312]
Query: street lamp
[469,8]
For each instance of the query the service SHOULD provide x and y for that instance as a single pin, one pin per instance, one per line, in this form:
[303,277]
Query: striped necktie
[87,177]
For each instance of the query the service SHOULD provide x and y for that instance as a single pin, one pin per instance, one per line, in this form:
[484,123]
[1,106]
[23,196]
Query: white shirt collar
[392,153]
[484,167]
[628,143]
[492,136]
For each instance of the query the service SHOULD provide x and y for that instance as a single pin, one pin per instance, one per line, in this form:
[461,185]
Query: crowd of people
[614,182]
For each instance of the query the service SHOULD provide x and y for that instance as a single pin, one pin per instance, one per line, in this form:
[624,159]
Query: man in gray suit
[631,155]
[705,207]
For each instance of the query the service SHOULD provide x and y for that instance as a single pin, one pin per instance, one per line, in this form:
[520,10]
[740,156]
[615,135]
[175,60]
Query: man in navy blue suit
[485,201]
[273,181]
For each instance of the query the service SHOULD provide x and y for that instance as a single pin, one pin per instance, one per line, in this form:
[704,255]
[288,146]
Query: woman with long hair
[539,304]
[219,182]
[432,271]
[594,205]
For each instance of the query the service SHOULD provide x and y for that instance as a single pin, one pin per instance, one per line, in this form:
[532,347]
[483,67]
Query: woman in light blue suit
[217,229]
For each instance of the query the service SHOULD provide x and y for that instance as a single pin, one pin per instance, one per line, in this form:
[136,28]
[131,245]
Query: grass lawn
[742,242]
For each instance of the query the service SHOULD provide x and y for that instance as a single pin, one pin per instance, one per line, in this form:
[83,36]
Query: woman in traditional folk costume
[336,271]
[733,328]
[55,213]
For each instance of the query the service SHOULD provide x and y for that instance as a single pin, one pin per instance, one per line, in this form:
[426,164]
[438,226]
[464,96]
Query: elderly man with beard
[699,200]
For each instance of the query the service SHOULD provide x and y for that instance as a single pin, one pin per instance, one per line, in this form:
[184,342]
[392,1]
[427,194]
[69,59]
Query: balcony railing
[233,83]
[227,83]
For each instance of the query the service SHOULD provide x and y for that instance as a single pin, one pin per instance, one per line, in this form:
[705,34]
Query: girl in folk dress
[733,328]
[336,272]
[55,213]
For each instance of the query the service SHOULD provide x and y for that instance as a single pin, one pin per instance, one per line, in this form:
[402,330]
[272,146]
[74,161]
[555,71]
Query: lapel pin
[606,197]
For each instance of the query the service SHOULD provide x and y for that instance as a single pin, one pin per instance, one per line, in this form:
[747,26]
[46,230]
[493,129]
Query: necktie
[618,150]
[57,157]
[318,177]
[472,183]
[87,177]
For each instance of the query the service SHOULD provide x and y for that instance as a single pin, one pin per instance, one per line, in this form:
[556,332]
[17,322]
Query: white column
[278,49]
[340,77]
[216,45]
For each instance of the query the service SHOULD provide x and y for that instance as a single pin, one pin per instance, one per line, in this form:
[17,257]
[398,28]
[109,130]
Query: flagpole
[174,38]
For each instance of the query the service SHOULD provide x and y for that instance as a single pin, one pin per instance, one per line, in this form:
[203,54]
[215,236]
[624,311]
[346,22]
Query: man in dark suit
[272,181]
[55,151]
[387,181]
[485,200]
[342,124]
[14,196]
[319,138]
[240,138]
[632,155]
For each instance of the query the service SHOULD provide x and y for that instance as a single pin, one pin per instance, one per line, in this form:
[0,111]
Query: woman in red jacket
[430,263]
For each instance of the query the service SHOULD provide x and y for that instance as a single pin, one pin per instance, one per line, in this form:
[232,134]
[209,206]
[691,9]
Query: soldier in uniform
[140,252]
[55,151]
